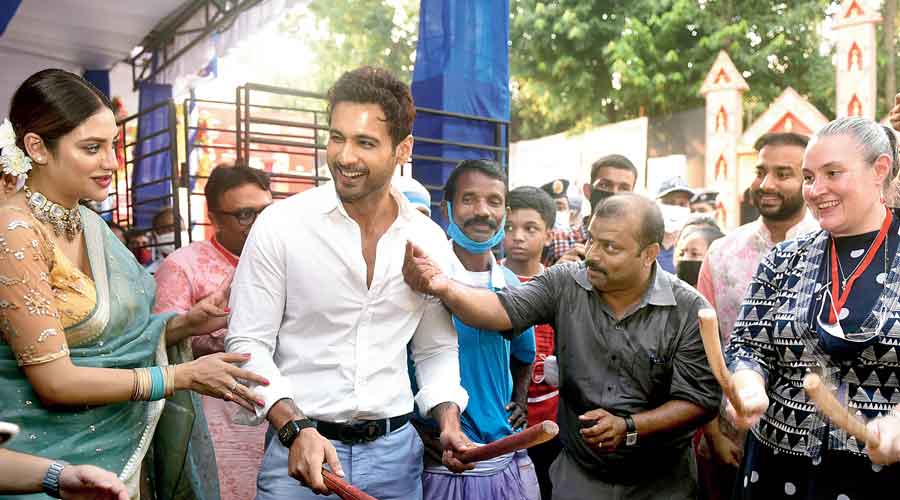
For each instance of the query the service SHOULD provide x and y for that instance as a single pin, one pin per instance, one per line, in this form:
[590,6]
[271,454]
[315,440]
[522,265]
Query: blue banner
[8,9]
[99,78]
[462,66]
[153,154]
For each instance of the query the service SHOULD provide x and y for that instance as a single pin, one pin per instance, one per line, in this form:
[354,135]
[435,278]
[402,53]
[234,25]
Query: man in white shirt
[328,323]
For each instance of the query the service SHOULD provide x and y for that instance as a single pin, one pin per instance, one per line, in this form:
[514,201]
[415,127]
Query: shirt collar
[230,257]
[332,202]
[659,293]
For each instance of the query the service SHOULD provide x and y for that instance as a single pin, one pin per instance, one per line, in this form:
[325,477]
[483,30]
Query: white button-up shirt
[301,308]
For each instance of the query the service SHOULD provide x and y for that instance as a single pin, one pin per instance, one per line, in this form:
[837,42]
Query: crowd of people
[341,328]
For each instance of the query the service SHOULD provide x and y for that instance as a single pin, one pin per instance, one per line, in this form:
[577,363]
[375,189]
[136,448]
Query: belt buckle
[370,431]
[361,432]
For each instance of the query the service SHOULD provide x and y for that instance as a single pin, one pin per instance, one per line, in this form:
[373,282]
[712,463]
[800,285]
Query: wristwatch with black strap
[631,434]
[289,432]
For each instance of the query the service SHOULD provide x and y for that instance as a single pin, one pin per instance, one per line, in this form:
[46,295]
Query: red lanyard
[838,299]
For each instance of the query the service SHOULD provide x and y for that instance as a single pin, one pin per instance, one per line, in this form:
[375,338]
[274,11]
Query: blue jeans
[389,468]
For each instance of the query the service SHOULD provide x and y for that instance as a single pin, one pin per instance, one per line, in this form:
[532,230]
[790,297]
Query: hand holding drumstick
[882,435]
[745,391]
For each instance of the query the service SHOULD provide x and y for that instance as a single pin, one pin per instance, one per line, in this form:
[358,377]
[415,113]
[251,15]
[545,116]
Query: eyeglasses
[244,216]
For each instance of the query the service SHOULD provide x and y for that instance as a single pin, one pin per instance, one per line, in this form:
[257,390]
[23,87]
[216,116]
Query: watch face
[286,432]
[631,439]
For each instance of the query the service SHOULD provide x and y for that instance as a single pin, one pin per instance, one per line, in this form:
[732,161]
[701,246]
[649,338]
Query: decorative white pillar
[724,89]
[856,78]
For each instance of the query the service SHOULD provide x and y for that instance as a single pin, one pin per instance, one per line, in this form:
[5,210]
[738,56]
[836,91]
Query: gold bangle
[169,372]
[146,384]
[134,385]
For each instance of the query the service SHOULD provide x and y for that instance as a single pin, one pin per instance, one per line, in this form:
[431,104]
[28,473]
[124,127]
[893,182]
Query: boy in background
[531,217]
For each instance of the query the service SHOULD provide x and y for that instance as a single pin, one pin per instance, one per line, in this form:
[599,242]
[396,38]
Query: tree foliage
[345,34]
[577,63]
[586,63]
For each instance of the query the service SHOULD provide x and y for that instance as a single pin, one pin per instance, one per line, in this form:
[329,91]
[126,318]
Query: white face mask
[562,220]
[674,217]
[166,244]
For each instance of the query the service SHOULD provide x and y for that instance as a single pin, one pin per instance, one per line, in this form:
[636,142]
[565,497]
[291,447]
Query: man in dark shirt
[634,380]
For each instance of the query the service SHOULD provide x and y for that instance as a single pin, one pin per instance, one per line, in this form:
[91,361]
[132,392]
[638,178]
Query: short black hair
[486,167]
[613,161]
[367,85]
[536,199]
[781,139]
[651,229]
[226,176]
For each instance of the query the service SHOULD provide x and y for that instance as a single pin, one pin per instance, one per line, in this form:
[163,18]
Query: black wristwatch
[50,484]
[291,430]
[630,431]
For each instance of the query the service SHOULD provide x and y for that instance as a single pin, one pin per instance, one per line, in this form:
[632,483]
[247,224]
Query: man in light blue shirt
[494,370]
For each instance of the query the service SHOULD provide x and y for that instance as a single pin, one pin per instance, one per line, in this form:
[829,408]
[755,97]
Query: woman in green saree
[82,359]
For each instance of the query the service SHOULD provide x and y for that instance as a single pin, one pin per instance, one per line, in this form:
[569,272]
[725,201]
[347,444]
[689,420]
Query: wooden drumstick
[342,488]
[532,436]
[836,412]
[709,333]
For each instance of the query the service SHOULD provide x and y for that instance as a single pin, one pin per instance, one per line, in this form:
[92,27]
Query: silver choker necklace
[64,221]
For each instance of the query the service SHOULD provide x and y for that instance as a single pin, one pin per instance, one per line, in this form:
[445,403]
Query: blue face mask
[456,234]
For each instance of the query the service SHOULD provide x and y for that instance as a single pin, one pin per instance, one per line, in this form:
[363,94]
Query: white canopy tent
[79,35]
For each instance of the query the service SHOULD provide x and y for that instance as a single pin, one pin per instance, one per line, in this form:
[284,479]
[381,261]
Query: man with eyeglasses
[235,195]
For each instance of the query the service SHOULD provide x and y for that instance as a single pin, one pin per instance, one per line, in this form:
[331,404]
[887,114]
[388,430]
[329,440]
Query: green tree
[345,34]
[609,61]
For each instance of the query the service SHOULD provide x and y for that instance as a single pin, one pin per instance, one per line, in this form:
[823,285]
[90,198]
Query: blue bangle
[157,384]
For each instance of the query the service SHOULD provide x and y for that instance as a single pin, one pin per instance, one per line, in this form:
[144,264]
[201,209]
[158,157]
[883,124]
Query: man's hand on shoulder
[422,273]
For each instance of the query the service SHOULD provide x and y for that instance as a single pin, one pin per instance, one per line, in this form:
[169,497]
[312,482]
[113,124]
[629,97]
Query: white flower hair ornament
[13,161]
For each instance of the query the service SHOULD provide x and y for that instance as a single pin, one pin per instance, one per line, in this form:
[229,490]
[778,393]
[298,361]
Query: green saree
[120,332]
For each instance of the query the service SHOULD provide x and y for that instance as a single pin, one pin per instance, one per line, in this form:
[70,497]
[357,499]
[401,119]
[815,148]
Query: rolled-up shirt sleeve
[534,302]
[257,304]
[692,378]
[435,353]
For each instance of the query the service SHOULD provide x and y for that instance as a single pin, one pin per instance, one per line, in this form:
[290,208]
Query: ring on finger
[233,385]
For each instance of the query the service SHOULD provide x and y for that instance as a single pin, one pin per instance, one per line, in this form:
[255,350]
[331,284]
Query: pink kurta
[731,263]
[185,277]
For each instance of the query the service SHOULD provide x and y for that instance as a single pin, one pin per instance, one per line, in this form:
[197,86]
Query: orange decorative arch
[722,77]
[854,57]
[790,123]
[854,10]
[721,168]
[722,120]
[854,108]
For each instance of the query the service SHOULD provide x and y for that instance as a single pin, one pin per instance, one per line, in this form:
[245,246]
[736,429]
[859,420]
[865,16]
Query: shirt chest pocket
[651,376]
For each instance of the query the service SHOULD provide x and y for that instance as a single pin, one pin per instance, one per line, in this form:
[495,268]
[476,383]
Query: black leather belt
[361,432]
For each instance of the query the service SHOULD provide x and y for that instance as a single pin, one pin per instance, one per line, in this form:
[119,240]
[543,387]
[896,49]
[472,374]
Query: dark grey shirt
[654,354]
